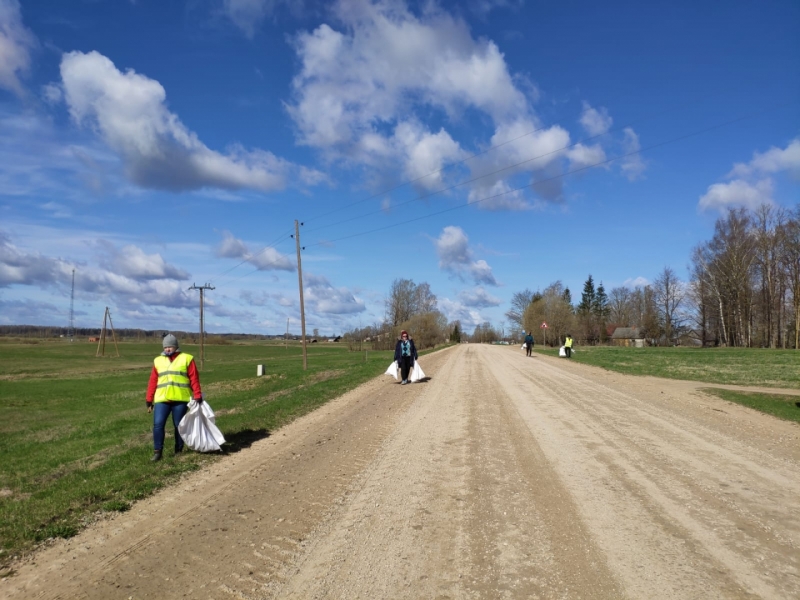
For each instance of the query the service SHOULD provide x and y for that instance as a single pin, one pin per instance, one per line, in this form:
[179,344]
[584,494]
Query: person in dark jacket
[528,344]
[405,353]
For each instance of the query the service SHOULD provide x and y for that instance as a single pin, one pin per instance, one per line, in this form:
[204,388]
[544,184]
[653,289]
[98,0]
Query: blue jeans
[161,410]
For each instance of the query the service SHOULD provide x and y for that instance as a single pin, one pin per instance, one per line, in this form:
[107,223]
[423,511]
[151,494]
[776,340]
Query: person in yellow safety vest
[173,382]
[568,345]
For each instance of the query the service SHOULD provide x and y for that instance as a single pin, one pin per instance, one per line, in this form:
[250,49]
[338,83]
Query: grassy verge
[734,366]
[777,405]
[76,437]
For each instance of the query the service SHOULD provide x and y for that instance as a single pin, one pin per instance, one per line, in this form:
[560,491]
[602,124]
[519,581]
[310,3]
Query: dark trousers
[568,350]
[405,364]
[528,349]
[162,410]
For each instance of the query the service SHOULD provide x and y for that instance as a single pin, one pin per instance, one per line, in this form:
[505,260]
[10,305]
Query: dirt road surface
[500,477]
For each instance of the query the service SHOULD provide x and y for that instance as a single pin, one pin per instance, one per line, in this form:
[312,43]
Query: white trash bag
[524,347]
[562,351]
[392,370]
[199,430]
[417,374]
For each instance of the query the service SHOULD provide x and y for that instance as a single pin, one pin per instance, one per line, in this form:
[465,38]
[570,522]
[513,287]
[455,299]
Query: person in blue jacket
[405,353]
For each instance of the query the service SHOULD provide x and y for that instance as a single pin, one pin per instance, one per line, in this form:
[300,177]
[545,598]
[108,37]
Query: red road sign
[543,325]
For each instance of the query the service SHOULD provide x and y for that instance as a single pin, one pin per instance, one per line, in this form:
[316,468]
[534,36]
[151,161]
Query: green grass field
[730,366]
[735,366]
[76,437]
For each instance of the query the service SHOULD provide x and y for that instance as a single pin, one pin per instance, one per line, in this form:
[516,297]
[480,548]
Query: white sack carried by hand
[199,430]
[524,347]
[392,370]
[562,351]
[416,373]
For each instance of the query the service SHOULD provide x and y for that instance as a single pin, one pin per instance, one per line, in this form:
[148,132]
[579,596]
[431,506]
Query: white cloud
[455,256]
[595,122]
[635,282]
[585,156]
[773,160]
[149,285]
[268,259]
[128,110]
[633,166]
[478,298]
[16,43]
[458,311]
[737,193]
[132,262]
[321,297]
[248,15]
[533,150]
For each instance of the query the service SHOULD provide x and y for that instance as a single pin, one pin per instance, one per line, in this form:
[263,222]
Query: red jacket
[191,371]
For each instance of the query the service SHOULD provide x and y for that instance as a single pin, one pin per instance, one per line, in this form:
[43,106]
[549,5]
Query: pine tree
[587,297]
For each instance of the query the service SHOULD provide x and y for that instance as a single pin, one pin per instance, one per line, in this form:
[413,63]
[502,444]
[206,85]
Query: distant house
[94,339]
[628,336]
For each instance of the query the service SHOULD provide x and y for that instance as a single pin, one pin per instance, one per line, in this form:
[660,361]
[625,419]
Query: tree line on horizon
[743,291]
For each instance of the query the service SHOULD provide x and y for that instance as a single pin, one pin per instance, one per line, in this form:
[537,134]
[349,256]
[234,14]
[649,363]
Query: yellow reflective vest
[173,379]
[568,343]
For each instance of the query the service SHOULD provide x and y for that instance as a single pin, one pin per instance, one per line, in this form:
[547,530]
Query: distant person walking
[528,344]
[405,353]
[173,382]
[568,345]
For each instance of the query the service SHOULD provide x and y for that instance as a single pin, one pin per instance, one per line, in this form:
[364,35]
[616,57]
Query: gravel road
[501,476]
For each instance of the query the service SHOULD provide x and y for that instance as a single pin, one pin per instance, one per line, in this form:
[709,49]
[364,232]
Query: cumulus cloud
[635,282]
[458,311]
[772,161]
[128,110]
[737,193]
[359,87]
[132,262]
[150,285]
[595,121]
[268,259]
[752,183]
[16,43]
[455,256]
[321,297]
[18,267]
[478,298]
[534,150]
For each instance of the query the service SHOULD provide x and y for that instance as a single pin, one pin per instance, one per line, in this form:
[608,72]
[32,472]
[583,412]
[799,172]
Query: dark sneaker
[156,456]
[178,450]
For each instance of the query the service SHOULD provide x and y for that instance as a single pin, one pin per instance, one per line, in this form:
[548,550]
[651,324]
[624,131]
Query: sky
[483,147]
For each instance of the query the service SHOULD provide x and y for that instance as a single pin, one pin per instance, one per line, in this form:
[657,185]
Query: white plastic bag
[199,430]
[524,347]
[392,370]
[417,374]
[562,351]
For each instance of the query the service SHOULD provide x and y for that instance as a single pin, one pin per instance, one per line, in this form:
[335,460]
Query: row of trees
[744,290]
[745,286]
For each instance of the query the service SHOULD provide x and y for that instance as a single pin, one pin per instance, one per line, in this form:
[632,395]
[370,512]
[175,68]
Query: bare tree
[619,307]
[669,294]
[790,259]
[519,302]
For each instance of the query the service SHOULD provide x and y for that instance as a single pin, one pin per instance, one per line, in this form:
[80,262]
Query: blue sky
[483,147]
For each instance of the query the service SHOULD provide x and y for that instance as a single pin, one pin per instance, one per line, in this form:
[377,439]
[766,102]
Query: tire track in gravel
[682,509]
[459,504]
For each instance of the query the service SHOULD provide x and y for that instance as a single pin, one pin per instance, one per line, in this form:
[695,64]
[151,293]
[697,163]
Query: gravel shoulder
[501,476]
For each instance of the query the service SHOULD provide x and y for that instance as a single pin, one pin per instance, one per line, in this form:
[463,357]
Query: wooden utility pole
[101,344]
[302,305]
[202,329]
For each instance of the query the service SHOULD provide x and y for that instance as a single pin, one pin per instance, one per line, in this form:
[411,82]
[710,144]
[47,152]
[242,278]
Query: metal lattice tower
[71,329]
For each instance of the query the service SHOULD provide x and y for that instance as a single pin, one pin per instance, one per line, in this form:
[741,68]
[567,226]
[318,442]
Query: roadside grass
[778,405]
[76,438]
[734,366]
